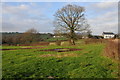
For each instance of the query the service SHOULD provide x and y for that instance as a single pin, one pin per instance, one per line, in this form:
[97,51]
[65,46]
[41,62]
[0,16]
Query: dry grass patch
[112,49]
[89,41]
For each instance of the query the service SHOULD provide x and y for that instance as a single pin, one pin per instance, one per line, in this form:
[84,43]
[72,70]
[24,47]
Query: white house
[108,35]
[57,36]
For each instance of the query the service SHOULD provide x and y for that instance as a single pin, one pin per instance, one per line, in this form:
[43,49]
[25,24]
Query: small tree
[32,31]
[70,19]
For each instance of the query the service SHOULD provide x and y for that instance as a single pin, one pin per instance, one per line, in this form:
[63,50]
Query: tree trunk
[72,35]
[72,42]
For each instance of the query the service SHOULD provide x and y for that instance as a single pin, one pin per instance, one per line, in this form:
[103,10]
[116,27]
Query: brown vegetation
[112,49]
[58,43]
[88,41]
[29,37]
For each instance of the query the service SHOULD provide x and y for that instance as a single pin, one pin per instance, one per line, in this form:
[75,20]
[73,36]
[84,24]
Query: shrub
[58,43]
[112,49]
[88,41]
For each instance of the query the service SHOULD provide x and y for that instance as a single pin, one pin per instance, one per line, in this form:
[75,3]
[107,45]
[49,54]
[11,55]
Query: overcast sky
[21,16]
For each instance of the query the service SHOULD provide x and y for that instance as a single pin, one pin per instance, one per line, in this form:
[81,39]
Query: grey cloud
[98,6]
[20,18]
[104,18]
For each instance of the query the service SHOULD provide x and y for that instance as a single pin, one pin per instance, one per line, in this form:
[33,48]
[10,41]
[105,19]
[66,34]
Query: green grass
[55,39]
[28,63]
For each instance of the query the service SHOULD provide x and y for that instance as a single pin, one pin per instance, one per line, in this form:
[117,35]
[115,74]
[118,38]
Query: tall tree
[71,19]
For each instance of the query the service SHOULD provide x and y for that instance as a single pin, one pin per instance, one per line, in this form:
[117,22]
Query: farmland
[85,61]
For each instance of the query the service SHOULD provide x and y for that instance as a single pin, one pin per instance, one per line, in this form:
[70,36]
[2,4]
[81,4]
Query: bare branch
[71,18]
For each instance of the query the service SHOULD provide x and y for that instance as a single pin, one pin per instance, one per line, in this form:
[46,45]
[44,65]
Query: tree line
[30,36]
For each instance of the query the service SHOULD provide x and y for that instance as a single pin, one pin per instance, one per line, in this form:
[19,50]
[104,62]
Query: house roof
[108,33]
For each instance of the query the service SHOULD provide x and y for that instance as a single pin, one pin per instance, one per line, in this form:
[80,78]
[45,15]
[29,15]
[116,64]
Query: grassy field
[89,62]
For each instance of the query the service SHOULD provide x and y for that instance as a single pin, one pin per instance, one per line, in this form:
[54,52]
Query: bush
[112,49]
[88,41]
[58,43]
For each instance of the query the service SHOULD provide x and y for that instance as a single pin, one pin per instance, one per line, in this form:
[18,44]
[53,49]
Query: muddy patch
[62,49]
[7,49]
[23,48]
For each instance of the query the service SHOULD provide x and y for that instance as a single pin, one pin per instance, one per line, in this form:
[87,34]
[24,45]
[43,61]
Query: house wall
[108,36]
[57,36]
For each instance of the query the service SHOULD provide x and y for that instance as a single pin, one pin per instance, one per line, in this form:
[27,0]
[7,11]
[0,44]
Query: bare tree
[32,30]
[71,19]
[29,36]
